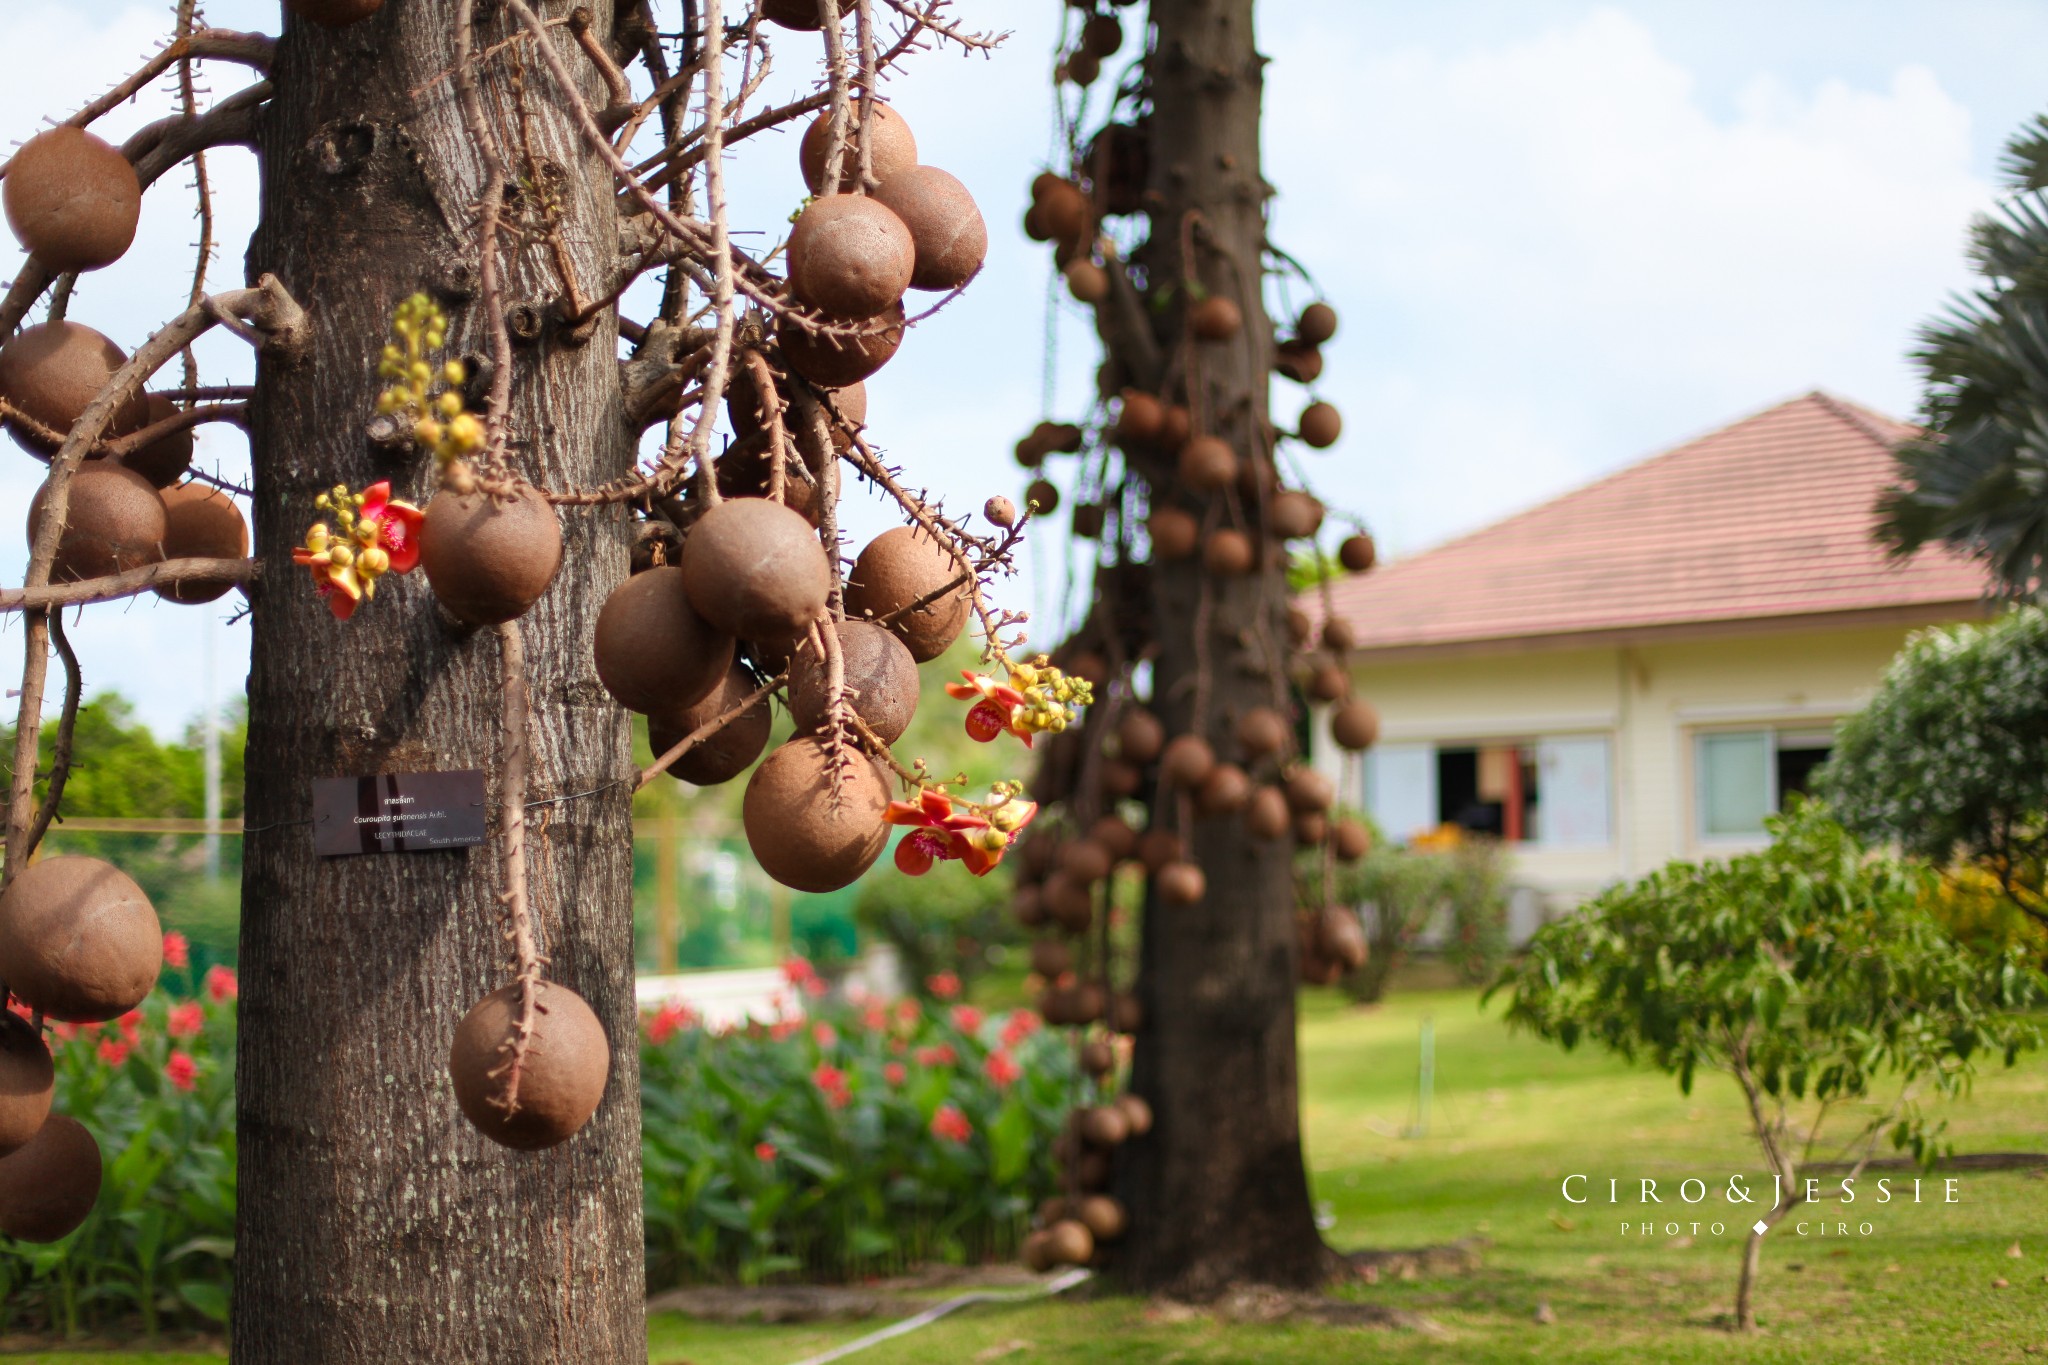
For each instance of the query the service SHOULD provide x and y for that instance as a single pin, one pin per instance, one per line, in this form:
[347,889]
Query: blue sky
[1561,236]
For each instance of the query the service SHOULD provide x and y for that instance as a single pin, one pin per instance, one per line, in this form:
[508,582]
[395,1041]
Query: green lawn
[1510,1119]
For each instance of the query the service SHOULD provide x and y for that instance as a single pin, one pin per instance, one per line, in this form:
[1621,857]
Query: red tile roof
[1770,517]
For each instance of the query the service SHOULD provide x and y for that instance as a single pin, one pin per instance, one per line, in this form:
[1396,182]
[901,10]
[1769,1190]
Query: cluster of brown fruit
[1072,1226]
[1097,40]
[79,943]
[73,202]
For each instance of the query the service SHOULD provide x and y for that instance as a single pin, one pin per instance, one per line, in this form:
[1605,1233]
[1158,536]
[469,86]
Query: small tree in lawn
[1809,973]
[1950,758]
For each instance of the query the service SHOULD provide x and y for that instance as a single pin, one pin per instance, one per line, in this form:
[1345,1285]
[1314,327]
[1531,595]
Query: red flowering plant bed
[156,1087]
[864,1139]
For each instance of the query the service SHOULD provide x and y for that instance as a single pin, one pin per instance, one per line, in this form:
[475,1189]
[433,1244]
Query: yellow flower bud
[373,561]
[991,840]
[366,533]
[465,432]
[1005,817]
[453,373]
[450,403]
[341,556]
[428,432]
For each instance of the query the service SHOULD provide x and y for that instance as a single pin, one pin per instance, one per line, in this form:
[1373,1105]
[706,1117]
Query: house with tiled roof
[1643,668]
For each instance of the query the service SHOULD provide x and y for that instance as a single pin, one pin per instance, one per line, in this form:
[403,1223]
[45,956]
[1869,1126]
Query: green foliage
[1950,758]
[1810,968]
[1403,890]
[1475,890]
[1978,481]
[155,1250]
[826,1148]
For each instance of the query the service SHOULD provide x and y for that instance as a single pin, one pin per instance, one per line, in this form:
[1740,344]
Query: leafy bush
[1950,757]
[157,1088]
[1400,892]
[859,1141]
[1810,973]
[1475,889]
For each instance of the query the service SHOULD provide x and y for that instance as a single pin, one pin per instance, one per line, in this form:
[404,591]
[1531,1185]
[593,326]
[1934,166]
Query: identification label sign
[398,812]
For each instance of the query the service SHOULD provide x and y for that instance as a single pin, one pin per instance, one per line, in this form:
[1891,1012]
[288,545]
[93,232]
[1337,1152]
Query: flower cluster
[428,394]
[941,830]
[1037,699]
[373,534]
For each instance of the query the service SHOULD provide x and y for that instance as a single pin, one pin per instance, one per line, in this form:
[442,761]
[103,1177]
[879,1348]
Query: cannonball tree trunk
[375,1224]
[1216,1191]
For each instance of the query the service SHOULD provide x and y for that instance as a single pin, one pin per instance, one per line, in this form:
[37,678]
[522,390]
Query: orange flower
[942,832]
[997,711]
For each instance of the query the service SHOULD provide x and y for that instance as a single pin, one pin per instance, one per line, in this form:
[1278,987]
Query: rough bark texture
[1217,1193]
[375,1225]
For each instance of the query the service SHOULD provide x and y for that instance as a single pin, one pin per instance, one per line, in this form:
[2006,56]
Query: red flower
[182,1070]
[995,712]
[874,1018]
[966,1018]
[783,1028]
[222,985]
[943,833]
[113,1051]
[397,523]
[1020,1024]
[669,1020]
[944,985]
[828,1078]
[942,1055]
[1002,1069]
[908,1010]
[950,1125]
[185,1021]
[131,1024]
[824,1035]
[797,971]
[764,1151]
[176,950]
[895,1073]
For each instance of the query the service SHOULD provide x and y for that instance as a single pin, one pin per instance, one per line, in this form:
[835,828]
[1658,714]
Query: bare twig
[526,958]
[67,726]
[708,729]
[162,574]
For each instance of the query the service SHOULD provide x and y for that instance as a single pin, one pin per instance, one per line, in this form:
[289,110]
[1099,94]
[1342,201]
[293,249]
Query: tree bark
[1216,1191]
[375,1224]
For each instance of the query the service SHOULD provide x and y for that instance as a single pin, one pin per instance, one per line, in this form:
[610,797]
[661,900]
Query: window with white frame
[1742,776]
[1553,792]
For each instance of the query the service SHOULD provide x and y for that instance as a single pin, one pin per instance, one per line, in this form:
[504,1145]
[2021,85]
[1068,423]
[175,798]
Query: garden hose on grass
[1059,1284]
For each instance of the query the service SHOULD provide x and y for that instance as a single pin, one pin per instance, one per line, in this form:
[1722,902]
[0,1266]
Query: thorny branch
[526,957]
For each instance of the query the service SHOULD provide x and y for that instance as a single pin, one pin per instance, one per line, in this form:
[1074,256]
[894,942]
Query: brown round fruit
[1104,1125]
[1298,361]
[1339,634]
[1098,1058]
[836,360]
[755,569]
[1308,791]
[51,372]
[1355,725]
[850,256]
[1062,211]
[1125,1014]
[1103,1215]
[1207,463]
[1068,1242]
[1320,425]
[1158,847]
[201,522]
[1215,319]
[1114,834]
[1174,429]
[1350,840]
[1086,281]
[654,653]
[729,752]
[945,225]
[1000,512]
[1223,791]
[1181,884]
[1187,760]
[163,461]
[895,148]
[813,821]
[48,1186]
[1027,907]
[1317,325]
[1069,904]
[1136,1112]
[880,675]
[1036,1253]
[1357,553]
[334,13]
[28,1080]
[751,477]
[1086,861]
[1140,418]
[1311,828]
[1175,533]
[1051,958]
[1228,553]
[799,15]
[1120,779]
[1262,731]
[72,200]
[78,939]
[561,1077]
[1329,682]
[1088,520]
[1340,937]
[1267,816]
[1139,736]
[489,558]
[1300,629]
[1294,515]
[115,522]
[899,568]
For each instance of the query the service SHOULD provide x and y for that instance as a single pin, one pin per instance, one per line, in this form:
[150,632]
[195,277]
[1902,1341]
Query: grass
[1510,1118]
